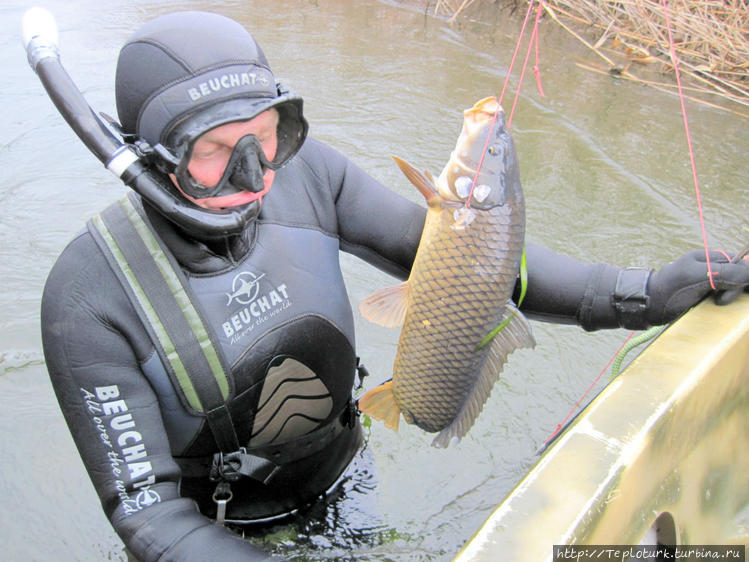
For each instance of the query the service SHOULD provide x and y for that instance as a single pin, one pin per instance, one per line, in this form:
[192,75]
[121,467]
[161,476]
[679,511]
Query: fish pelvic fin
[424,181]
[380,404]
[515,334]
[386,307]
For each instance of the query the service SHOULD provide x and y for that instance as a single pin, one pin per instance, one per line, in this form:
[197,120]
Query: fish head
[483,165]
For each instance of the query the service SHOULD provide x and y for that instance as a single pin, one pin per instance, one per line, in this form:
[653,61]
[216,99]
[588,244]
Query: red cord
[536,70]
[515,53]
[675,61]
[533,40]
[561,424]
[710,273]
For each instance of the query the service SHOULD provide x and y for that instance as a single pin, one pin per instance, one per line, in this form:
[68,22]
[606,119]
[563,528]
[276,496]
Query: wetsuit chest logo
[244,288]
[254,300]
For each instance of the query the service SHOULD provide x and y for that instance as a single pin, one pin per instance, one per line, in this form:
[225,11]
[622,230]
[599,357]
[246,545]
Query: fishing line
[515,53]
[536,69]
[618,357]
[532,43]
[675,61]
[561,424]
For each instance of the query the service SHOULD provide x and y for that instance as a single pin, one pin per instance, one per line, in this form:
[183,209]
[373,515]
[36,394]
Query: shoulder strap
[161,295]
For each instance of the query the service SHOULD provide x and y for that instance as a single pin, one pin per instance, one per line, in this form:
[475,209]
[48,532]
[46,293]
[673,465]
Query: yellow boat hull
[662,452]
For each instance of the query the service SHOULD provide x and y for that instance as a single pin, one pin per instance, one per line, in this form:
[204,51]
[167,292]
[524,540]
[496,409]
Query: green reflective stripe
[523,288]
[175,286]
[159,329]
[523,276]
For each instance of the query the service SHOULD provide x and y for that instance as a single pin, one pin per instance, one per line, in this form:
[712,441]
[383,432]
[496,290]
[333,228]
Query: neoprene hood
[184,73]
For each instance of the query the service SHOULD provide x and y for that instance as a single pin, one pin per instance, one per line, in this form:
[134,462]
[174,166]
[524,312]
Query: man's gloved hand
[681,284]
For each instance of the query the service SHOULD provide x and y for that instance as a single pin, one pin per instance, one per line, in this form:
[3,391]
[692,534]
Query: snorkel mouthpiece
[244,171]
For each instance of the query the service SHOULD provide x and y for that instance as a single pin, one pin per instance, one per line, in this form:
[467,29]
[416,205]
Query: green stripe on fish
[523,288]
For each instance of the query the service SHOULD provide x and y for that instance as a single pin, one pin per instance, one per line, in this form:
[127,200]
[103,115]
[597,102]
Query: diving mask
[244,171]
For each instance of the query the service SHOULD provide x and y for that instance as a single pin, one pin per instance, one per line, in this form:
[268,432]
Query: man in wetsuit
[246,238]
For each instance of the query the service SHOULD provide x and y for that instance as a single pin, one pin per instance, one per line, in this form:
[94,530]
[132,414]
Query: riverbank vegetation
[630,39]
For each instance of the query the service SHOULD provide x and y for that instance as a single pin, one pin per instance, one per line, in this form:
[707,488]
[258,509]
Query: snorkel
[141,165]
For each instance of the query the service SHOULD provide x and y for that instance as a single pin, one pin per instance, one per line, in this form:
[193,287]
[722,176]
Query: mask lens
[244,171]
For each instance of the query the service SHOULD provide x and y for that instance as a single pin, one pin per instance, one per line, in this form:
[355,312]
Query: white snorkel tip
[39,34]
[39,23]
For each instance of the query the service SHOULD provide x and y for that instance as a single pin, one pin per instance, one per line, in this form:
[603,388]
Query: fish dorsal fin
[386,307]
[515,334]
[424,181]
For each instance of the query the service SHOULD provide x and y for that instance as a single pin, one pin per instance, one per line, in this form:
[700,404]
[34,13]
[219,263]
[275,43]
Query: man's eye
[211,152]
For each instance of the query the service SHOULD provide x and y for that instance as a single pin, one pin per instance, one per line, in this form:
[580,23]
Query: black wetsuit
[276,301]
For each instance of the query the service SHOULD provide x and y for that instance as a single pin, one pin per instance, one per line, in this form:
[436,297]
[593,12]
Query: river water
[606,176]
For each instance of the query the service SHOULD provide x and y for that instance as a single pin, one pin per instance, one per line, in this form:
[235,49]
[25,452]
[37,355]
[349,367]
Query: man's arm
[384,229]
[566,290]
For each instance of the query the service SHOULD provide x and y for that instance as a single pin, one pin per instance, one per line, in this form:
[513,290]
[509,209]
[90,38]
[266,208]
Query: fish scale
[433,399]
[460,287]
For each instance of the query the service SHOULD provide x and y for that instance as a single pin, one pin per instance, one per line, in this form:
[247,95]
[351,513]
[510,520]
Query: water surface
[606,175]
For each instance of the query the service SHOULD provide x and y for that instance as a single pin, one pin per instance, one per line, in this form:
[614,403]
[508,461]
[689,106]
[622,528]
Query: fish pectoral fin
[386,307]
[424,182]
[515,333]
[379,403]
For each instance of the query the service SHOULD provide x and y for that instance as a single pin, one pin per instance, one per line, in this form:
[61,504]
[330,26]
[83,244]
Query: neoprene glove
[681,284]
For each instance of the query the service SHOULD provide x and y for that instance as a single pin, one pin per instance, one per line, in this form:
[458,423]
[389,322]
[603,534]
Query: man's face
[212,150]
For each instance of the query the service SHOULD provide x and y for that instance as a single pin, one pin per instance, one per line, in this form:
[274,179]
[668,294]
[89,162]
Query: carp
[460,286]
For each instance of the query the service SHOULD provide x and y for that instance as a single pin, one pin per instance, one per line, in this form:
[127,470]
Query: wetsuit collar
[201,256]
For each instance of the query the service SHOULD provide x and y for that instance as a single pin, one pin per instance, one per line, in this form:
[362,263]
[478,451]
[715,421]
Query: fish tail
[380,404]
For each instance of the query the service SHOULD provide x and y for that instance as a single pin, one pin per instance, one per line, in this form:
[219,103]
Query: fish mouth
[476,167]
[482,110]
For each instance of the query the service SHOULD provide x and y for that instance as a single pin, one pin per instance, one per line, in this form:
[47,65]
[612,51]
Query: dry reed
[710,39]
